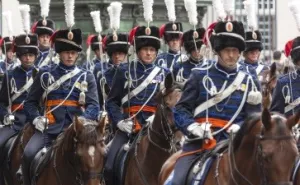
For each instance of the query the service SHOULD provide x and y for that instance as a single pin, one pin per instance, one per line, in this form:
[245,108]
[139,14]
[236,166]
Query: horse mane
[247,126]
[87,135]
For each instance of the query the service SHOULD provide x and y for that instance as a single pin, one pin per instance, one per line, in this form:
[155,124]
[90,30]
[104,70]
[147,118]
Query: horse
[77,156]
[151,150]
[13,162]
[262,152]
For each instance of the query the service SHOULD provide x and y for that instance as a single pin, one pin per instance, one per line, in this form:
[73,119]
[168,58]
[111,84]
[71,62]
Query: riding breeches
[119,140]
[35,144]
[5,134]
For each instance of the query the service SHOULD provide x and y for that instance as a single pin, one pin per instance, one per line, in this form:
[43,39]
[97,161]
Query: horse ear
[266,119]
[169,81]
[272,72]
[293,120]
[101,123]
[78,125]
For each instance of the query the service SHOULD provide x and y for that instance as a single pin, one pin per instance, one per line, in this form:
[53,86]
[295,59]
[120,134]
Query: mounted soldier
[16,84]
[44,28]
[286,93]
[63,89]
[217,97]
[172,34]
[182,70]
[9,62]
[94,65]
[131,99]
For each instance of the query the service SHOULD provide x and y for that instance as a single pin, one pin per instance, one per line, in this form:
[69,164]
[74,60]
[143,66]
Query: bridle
[259,159]
[168,135]
[167,128]
[81,176]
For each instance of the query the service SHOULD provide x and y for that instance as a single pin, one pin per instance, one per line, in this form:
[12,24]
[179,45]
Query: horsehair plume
[229,7]
[109,10]
[191,8]
[250,8]
[294,6]
[24,10]
[148,10]
[45,4]
[116,8]
[170,4]
[96,21]
[7,17]
[69,12]
[219,8]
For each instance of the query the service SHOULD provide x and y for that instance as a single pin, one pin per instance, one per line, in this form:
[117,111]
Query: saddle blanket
[200,177]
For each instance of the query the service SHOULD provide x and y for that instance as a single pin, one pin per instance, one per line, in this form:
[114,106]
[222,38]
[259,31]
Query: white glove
[234,128]
[201,130]
[125,126]
[8,119]
[41,123]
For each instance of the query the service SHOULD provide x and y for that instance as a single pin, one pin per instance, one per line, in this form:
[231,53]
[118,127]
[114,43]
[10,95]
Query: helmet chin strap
[227,66]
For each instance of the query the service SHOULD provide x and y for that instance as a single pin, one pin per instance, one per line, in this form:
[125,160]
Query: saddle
[40,161]
[200,167]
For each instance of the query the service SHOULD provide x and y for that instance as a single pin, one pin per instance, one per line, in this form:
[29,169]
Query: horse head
[163,125]
[266,145]
[88,150]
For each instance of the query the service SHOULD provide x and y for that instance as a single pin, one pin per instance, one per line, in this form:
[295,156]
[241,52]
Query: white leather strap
[62,79]
[220,97]
[143,85]
[292,105]
[45,61]
[22,90]
[259,69]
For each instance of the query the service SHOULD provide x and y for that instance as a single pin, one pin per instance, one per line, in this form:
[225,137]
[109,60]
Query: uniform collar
[227,72]
[255,64]
[45,51]
[66,68]
[25,69]
[173,52]
[145,66]
[195,62]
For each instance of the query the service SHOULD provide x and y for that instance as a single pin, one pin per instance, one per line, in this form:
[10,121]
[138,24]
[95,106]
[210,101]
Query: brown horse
[157,145]
[10,170]
[77,156]
[263,152]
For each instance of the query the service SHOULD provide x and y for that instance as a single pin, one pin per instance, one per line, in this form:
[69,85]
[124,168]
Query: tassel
[84,86]
[82,99]
[254,97]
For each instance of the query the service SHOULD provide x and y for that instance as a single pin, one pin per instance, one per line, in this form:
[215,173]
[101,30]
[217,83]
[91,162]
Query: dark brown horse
[78,156]
[157,145]
[13,165]
[263,152]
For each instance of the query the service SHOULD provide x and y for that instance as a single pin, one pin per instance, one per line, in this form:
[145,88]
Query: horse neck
[65,169]
[245,158]
[160,128]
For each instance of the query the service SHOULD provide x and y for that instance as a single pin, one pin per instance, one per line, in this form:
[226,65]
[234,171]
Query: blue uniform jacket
[195,94]
[41,57]
[18,77]
[287,85]
[182,70]
[119,90]
[168,60]
[262,74]
[97,68]
[90,66]
[64,114]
